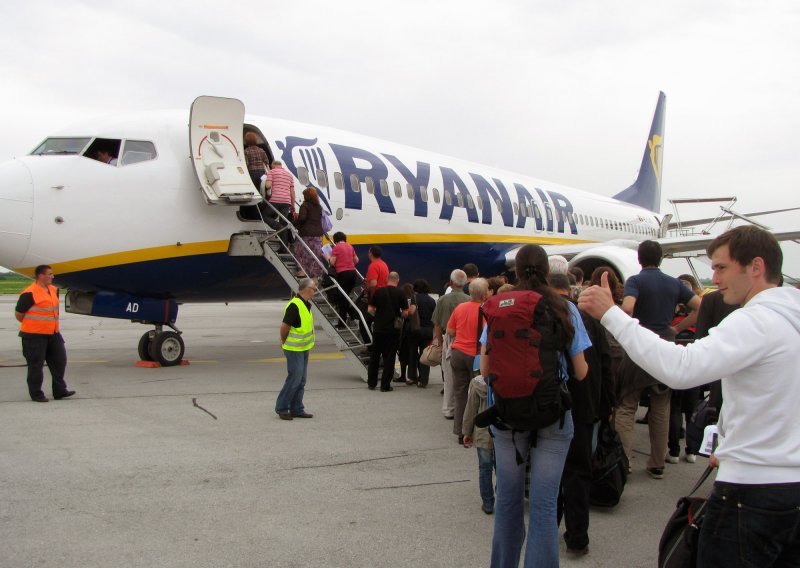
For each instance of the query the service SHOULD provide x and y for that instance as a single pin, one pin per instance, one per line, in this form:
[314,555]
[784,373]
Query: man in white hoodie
[753,515]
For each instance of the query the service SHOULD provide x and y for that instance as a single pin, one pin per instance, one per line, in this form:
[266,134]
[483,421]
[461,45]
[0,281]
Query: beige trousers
[658,424]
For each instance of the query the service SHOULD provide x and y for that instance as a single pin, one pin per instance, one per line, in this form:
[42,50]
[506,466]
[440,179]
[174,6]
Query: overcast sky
[561,90]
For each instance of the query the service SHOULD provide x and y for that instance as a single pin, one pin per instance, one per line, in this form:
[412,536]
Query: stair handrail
[289,226]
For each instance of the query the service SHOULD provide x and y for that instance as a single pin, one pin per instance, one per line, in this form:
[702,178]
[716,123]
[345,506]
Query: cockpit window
[136,151]
[104,150]
[52,146]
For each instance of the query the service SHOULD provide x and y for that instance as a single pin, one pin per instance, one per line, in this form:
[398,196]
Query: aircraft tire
[144,347]
[167,348]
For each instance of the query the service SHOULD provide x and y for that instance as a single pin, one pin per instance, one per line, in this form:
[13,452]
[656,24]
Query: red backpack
[524,344]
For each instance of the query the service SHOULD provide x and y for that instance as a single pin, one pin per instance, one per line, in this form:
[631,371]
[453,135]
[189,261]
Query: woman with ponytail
[548,455]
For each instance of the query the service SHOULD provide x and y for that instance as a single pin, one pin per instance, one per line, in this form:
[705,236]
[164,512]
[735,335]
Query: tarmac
[190,466]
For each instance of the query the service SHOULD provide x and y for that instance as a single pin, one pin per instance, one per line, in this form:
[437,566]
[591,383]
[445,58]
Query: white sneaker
[691,458]
[671,459]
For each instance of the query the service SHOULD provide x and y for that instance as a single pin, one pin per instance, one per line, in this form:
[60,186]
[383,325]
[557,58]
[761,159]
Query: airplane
[171,215]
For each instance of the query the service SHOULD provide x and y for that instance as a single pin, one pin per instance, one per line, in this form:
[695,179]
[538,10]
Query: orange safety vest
[42,318]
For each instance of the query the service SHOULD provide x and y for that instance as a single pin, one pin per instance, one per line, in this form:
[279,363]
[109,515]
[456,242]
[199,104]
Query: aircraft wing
[672,246]
[698,243]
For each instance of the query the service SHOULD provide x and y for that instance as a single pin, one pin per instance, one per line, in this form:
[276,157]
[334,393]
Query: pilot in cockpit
[106,157]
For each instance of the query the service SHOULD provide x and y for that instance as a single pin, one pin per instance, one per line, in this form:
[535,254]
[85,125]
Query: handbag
[398,323]
[327,224]
[431,356]
[678,545]
[413,320]
[609,468]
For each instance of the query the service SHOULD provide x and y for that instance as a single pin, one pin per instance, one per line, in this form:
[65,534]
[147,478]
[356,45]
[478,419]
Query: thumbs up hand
[597,300]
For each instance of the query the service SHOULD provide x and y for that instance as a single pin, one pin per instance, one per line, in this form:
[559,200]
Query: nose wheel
[164,347]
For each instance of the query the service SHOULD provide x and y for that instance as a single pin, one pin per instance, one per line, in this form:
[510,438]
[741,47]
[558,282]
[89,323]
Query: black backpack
[525,371]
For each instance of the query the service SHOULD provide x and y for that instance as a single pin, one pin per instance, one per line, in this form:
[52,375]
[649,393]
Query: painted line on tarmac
[414,485]
[313,357]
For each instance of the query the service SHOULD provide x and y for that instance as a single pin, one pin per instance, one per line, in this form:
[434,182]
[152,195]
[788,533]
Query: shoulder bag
[678,546]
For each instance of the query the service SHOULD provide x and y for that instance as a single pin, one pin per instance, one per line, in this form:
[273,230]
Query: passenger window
[499,205]
[479,199]
[398,189]
[338,180]
[384,188]
[435,195]
[518,209]
[459,200]
[302,175]
[354,183]
[448,198]
[410,191]
[370,185]
[470,202]
[322,178]
[136,151]
[423,191]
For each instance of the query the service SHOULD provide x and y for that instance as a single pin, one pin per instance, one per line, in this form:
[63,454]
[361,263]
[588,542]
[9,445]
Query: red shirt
[345,256]
[378,271]
[465,321]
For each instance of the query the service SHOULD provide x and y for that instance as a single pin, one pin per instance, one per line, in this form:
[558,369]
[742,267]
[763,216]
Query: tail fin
[646,190]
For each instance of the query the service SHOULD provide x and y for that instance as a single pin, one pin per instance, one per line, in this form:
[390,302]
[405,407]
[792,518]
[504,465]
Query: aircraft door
[217,150]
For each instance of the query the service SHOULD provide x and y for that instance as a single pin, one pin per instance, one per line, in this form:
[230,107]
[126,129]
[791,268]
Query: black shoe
[656,472]
[371,387]
[285,416]
[387,389]
[399,380]
[422,385]
[449,417]
[578,551]
[65,394]
[488,509]
[461,440]
[39,398]
[301,415]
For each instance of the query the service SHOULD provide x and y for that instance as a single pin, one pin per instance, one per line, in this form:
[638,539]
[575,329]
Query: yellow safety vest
[300,338]
[42,317]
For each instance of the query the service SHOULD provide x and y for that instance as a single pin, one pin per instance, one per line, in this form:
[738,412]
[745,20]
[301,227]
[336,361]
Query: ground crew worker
[297,339]
[37,311]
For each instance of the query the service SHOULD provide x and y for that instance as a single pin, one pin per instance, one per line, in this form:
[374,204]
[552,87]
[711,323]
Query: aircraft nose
[16,212]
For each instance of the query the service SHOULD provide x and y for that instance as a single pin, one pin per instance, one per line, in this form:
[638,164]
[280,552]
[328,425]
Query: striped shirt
[282,184]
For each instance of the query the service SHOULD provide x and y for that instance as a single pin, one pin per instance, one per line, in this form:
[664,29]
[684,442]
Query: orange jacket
[42,318]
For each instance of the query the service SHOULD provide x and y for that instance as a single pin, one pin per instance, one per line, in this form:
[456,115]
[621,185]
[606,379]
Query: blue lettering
[526,200]
[451,182]
[547,210]
[422,178]
[490,197]
[347,156]
[563,209]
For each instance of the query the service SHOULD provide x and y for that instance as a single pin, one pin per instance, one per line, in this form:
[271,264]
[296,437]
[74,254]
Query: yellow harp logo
[656,155]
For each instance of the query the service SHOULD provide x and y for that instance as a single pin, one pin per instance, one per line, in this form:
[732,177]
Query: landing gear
[164,347]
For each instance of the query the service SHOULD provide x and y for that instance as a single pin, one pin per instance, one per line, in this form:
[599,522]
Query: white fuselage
[146,228]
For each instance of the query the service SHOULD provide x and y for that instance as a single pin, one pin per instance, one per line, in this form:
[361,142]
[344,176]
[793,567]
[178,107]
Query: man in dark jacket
[591,402]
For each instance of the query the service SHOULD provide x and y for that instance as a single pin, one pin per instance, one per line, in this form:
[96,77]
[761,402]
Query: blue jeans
[485,469]
[547,465]
[290,398]
[751,525]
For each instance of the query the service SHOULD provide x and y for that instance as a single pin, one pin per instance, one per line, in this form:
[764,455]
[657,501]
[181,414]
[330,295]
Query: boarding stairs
[269,244]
